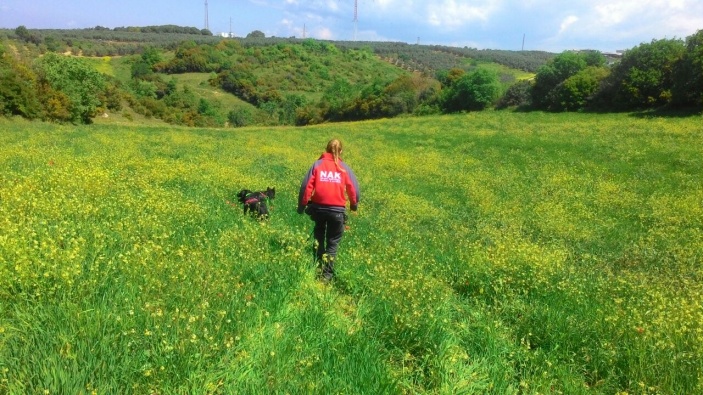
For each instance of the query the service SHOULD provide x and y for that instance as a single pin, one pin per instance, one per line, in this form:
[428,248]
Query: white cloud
[321,5]
[655,19]
[332,5]
[610,24]
[552,24]
[567,22]
[393,5]
[372,35]
[456,13]
[324,33]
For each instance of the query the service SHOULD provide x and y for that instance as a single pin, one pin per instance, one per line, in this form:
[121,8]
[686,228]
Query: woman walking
[322,196]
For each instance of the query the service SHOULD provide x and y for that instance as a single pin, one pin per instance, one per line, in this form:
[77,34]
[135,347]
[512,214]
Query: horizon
[538,25]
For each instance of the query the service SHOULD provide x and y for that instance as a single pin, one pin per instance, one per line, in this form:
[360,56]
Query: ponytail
[334,147]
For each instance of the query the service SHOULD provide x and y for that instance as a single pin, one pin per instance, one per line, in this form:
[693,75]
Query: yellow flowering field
[493,253]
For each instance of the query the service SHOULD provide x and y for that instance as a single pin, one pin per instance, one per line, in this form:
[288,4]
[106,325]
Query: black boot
[327,268]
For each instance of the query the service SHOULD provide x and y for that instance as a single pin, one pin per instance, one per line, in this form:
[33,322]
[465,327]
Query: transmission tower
[356,19]
[207,24]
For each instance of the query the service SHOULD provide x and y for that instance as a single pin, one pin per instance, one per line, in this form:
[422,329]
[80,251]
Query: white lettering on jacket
[331,176]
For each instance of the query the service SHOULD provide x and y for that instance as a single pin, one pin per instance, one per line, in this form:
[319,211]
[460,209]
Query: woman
[322,192]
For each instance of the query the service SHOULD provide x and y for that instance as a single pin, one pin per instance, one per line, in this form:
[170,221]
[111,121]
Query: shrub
[80,82]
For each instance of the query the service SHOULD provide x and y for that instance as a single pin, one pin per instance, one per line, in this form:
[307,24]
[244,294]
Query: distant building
[613,57]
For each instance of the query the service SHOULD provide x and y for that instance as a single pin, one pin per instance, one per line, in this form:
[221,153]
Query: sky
[544,25]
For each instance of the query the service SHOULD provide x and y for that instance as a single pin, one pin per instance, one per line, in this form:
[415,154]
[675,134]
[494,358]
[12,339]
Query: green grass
[494,252]
[504,70]
[198,83]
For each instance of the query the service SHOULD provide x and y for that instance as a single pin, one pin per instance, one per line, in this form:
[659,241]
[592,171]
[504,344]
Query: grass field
[494,253]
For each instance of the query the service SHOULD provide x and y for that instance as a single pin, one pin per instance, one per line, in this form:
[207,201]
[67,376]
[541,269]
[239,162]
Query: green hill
[185,77]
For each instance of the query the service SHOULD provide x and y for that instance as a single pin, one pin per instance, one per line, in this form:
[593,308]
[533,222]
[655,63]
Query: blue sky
[549,25]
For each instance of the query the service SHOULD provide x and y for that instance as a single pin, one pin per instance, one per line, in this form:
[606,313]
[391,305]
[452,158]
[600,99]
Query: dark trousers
[328,231]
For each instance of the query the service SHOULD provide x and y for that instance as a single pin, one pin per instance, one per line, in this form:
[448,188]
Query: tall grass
[493,253]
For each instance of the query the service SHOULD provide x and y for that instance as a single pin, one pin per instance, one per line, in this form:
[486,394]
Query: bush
[517,95]
[473,91]
[80,82]
[644,77]
[18,89]
[687,89]
[576,92]
[240,116]
[554,73]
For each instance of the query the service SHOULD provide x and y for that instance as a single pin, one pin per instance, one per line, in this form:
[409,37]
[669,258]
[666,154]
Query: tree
[18,88]
[449,77]
[141,69]
[576,92]
[517,95]
[288,109]
[593,58]
[687,89]
[53,44]
[256,34]
[206,108]
[22,32]
[644,76]
[337,99]
[474,91]
[240,116]
[25,35]
[80,82]
[151,56]
[554,73]
[399,96]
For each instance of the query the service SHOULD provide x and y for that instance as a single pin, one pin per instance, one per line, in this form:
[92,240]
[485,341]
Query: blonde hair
[334,147]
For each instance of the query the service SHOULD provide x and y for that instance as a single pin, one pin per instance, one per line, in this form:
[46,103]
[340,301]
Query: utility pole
[356,19]
[207,24]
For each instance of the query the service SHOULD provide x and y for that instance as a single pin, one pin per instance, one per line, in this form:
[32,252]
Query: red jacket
[325,185]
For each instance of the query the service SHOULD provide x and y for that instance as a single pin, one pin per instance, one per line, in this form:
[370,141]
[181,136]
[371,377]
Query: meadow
[493,253]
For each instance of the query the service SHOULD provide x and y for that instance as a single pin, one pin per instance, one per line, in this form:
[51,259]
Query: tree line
[130,40]
[665,73]
[313,81]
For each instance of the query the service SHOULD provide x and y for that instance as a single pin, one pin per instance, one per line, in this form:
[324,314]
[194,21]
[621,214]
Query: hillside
[131,40]
[189,78]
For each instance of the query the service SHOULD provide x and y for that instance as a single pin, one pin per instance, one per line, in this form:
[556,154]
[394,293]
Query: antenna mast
[356,19]
[207,24]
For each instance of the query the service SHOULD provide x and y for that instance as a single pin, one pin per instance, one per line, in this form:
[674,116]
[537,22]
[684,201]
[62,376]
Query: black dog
[256,203]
